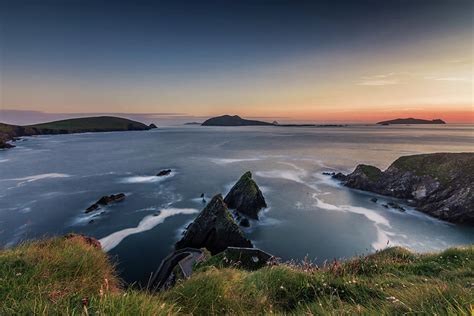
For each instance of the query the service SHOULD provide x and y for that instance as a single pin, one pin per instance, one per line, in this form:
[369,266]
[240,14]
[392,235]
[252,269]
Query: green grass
[442,166]
[373,173]
[56,276]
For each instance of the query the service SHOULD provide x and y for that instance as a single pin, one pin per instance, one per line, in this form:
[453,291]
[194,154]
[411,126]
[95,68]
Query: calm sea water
[48,181]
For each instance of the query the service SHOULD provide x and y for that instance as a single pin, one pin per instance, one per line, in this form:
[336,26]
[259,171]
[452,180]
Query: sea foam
[111,241]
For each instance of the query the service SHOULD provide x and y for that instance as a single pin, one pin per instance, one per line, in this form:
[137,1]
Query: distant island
[77,125]
[411,120]
[192,123]
[235,120]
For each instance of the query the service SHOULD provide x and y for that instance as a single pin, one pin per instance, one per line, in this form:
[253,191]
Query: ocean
[47,182]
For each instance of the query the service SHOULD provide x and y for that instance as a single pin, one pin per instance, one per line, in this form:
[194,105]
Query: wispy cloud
[379,80]
[453,79]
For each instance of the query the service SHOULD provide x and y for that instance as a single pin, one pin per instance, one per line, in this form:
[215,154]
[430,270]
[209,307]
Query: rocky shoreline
[439,184]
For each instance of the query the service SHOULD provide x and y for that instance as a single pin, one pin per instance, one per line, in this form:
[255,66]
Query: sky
[306,61]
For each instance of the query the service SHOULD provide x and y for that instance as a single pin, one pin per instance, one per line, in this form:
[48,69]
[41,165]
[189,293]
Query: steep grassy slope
[69,276]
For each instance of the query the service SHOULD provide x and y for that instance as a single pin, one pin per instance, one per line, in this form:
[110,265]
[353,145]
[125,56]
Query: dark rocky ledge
[213,229]
[245,197]
[105,200]
[440,184]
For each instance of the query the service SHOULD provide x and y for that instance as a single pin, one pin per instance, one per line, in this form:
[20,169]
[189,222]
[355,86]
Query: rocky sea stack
[245,197]
[440,184]
[214,229]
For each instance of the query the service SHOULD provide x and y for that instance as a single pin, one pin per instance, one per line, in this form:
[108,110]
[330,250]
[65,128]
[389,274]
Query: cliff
[440,184]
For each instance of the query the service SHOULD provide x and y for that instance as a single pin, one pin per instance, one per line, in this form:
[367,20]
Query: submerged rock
[246,197]
[164,172]
[213,229]
[440,184]
[374,200]
[105,200]
[244,222]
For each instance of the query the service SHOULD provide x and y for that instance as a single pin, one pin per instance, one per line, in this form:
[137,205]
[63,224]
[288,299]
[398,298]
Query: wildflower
[282,287]
[18,274]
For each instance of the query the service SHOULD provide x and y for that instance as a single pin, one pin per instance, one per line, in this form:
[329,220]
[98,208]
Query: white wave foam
[145,179]
[4,160]
[147,223]
[224,161]
[38,177]
[378,220]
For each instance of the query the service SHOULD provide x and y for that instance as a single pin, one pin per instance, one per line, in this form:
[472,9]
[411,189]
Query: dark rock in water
[202,195]
[374,200]
[164,172]
[329,173]
[385,205]
[214,229]
[105,200]
[244,222]
[339,176]
[5,145]
[396,206]
[246,197]
[440,184]
[91,221]
[204,201]
[152,126]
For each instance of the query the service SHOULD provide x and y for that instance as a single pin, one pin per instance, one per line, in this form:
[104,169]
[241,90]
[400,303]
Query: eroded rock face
[245,197]
[105,200]
[91,241]
[214,229]
[441,184]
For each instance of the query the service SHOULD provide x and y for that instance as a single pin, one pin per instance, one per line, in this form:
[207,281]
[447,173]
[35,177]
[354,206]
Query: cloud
[452,79]
[379,80]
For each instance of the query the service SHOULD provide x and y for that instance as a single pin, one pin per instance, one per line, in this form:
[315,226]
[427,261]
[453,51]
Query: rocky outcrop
[245,197]
[105,200]
[213,229]
[152,126]
[91,241]
[163,173]
[440,184]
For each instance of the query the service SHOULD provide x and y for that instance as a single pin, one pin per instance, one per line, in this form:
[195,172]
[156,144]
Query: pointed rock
[246,197]
[214,229]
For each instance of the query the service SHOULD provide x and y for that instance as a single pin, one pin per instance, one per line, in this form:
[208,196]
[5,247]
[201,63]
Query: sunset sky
[348,61]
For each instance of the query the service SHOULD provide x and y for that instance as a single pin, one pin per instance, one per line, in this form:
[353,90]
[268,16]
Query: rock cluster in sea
[439,184]
[105,200]
[245,197]
[214,229]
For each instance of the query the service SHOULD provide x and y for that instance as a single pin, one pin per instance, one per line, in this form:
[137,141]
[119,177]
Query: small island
[76,125]
[234,120]
[411,120]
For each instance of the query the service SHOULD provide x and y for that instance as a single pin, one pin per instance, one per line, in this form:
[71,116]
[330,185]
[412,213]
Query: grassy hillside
[69,276]
[78,125]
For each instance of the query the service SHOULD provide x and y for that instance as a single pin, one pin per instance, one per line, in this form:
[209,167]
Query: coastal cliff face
[214,229]
[441,184]
[245,197]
